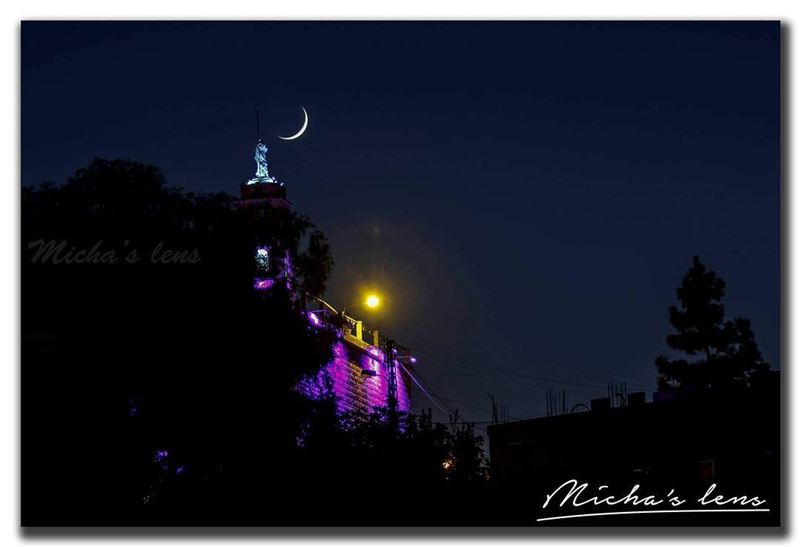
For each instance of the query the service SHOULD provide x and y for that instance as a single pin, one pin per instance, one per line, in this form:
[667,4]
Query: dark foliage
[158,385]
[720,353]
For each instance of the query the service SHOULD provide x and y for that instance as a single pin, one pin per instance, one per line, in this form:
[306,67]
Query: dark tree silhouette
[720,352]
[152,369]
[468,462]
[316,265]
[742,360]
[159,386]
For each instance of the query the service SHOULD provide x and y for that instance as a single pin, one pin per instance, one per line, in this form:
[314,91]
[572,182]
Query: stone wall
[355,391]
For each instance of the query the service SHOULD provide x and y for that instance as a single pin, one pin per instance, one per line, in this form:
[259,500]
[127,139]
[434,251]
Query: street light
[371,302]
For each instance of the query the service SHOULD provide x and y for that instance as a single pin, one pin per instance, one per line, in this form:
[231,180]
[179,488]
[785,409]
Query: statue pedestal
[262,180]
[274,194]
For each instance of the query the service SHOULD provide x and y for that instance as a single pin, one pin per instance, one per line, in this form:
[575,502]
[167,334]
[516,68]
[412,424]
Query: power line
[423,389]
[452,413]
[515,382]
[511,377]
[448,359]
[468,405]
[512,384]
[484,362]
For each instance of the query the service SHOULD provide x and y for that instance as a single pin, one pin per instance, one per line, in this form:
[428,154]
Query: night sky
[527,196]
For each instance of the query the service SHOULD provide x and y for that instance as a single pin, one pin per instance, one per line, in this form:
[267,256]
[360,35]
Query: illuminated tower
[361,374]
[260,192]
[263,189]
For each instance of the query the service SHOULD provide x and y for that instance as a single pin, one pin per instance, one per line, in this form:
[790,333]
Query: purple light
[134,406]
[353,389]
[314,318]
[161,455]
[263,284]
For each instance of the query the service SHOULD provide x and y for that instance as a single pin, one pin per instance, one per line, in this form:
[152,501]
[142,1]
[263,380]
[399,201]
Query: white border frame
[14,11]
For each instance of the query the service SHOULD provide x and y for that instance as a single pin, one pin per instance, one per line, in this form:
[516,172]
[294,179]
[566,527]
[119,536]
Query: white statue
[262,172]
[261,161]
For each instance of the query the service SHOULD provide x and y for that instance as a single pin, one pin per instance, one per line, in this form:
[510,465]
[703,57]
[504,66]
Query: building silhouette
[683,440]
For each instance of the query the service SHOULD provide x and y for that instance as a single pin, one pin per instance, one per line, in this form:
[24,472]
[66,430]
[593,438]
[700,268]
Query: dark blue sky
[528,195]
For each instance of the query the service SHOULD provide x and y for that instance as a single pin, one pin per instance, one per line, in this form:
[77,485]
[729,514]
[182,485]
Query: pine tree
[718,352]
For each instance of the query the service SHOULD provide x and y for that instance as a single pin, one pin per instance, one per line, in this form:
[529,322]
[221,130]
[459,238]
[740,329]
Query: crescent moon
[302,129]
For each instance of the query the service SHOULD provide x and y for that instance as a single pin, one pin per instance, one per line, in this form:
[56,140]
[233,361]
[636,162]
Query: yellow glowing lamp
[373,301]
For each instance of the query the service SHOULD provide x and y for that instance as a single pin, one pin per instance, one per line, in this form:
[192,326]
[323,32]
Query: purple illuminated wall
[357,374]
[354,390]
